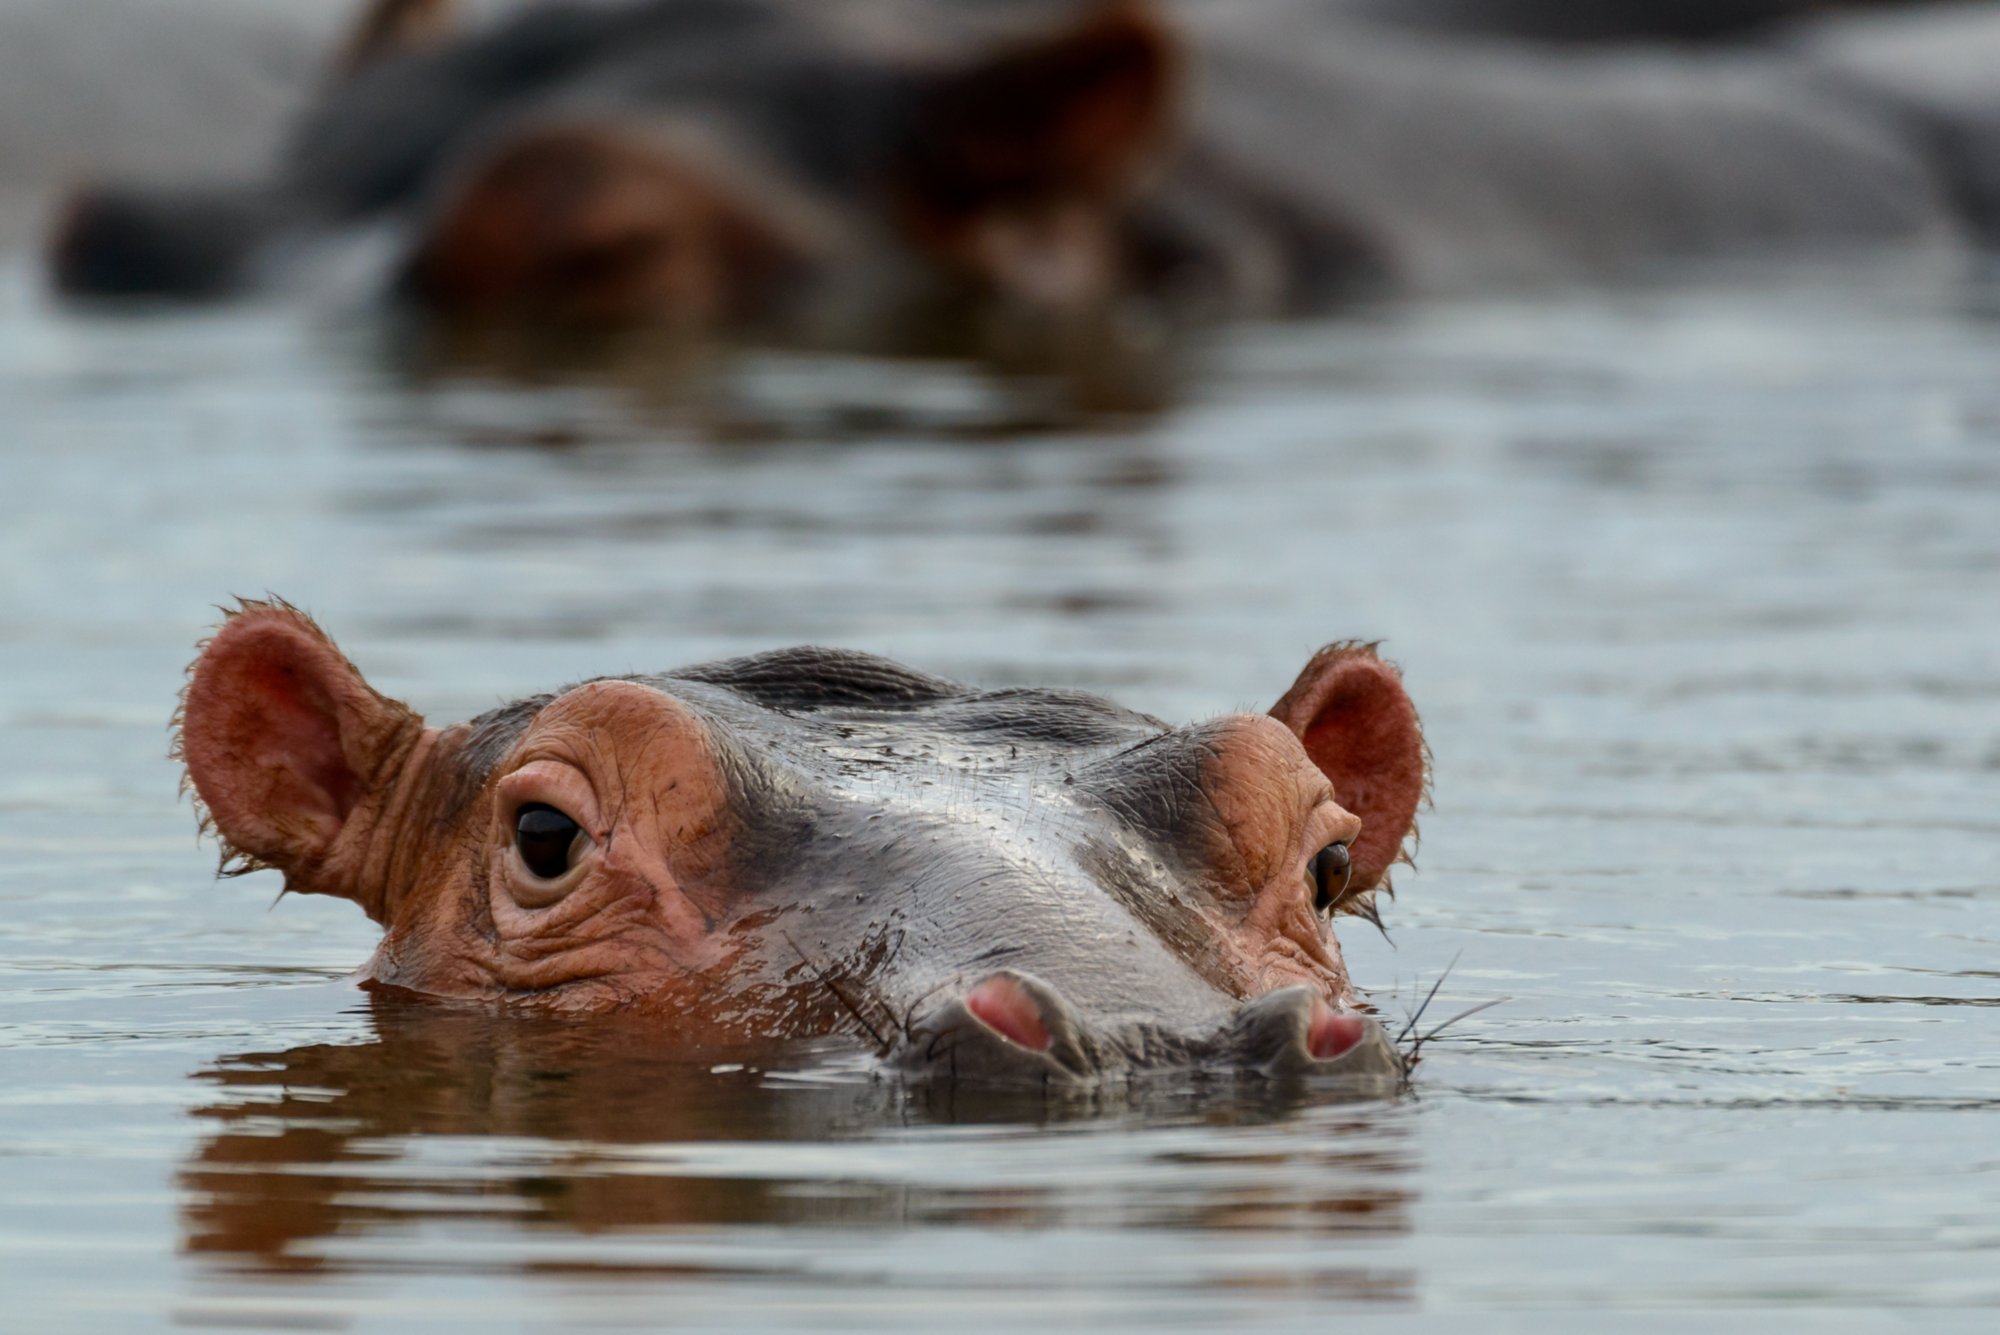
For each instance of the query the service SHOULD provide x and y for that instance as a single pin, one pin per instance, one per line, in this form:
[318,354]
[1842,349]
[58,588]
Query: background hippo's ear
[283,740]
[1356,721]
[1077,113]
[390,28]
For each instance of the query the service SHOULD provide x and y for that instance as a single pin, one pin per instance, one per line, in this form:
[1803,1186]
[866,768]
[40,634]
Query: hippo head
[1004,885]
[799,165]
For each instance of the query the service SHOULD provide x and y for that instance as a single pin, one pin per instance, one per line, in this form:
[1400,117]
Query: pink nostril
[1331,1034]
[1004,1006]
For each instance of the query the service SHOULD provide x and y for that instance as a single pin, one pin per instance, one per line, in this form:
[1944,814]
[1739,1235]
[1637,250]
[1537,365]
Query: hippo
[1026,887]
[1567,21]
[707,163]
[1929,70]
[772,165]
[1324,160]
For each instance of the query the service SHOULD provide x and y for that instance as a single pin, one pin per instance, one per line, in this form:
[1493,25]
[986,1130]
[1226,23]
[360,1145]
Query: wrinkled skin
[1015,886]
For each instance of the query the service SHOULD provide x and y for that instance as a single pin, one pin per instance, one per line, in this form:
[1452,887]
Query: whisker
[1465,1014]
[909,1020]
[1429,997]
[959,1039]
[1417,1050]
[881,1043]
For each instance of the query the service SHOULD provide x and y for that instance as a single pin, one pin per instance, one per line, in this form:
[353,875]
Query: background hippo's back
[1453,162]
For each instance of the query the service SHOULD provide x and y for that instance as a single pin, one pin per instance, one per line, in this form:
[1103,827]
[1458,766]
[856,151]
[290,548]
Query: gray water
[1696,588]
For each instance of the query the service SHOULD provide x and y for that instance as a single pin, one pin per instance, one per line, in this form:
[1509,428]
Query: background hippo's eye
[1331,869]
[548,841]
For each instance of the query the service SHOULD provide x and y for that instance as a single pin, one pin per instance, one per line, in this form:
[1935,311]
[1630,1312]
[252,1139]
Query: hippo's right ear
[1349,710]
[389,28]
[1078,113]
[283,740]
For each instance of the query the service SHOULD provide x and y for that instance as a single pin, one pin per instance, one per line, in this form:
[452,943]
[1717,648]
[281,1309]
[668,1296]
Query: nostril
[1004,1005]
[1331,1034]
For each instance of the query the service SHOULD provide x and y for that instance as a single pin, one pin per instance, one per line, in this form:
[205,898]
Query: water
[1696,588]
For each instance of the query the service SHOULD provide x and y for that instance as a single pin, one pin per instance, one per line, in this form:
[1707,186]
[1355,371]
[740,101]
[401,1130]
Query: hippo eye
[548,841]
[1331,869]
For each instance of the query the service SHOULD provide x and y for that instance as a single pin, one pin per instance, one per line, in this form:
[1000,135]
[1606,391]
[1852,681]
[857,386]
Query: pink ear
[282,739]
[1350,711]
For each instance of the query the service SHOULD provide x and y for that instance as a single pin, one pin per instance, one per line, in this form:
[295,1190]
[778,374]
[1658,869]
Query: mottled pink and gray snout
[1012,1028]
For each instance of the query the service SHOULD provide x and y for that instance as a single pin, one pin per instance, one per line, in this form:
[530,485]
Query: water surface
[1696,589]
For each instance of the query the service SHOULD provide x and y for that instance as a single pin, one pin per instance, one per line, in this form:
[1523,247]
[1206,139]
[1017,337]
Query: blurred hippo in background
[1600,20]
[701,162]
[1322,158]
[1932,72]
[714,163]
[1016,886]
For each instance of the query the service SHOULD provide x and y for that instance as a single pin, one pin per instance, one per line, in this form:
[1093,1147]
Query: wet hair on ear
[1349,710]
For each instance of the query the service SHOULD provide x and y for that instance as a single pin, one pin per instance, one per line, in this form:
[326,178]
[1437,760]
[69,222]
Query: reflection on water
[346,1157]
[982,383]
[1695,588]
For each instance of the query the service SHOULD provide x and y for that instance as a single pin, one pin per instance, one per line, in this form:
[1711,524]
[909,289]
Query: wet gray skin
[903,841]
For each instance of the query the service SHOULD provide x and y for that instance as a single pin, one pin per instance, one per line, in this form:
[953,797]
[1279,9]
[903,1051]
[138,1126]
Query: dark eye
[548,841]
[1331,869]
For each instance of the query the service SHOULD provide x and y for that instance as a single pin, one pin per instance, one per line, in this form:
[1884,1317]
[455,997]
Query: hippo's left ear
[1350,711]
[284,741]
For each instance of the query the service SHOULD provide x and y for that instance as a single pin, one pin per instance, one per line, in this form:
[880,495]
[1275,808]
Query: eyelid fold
[550,783]
[1329,823]
[1326,825]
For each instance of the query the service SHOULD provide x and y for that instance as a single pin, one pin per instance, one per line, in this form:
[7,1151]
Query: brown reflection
[1029,379]
[318,1140]
[551,1130]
